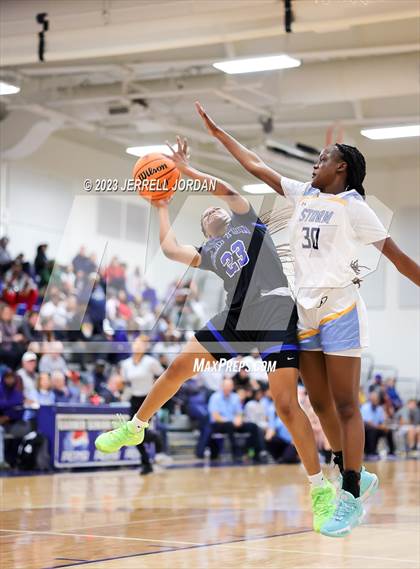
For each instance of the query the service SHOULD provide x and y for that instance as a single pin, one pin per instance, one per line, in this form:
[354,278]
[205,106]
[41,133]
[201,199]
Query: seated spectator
[99,375]
[19,287]
[11,342]
[67,280]
[134,283]
[60,390]
[124,311]
[197,409]
[45,392]
[375,428]
[226,417]
[111,391]
[242,379]
[53,360]
[115,274]
[27,374]
[30,327]
[82,263]
[392,393]
[55,309]
[279,441]
[74,385]
[150,296]
[255,411]
[255,367]
[408,418]
[376,383]
[5,257]
[11,413]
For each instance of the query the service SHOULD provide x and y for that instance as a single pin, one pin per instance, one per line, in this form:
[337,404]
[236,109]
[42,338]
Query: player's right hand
[162,204]
[210,124]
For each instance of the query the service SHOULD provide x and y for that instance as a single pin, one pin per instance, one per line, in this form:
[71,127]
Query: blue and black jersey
[245,258]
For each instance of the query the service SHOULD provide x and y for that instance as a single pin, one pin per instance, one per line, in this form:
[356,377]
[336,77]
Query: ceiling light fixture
[255,64]
[8,88]
[387,133]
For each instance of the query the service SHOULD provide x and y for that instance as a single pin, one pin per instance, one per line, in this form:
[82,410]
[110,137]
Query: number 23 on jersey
[234,259]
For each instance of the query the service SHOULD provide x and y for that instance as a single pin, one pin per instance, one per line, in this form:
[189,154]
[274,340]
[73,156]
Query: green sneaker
[348,514]
[126,434]
[323,504]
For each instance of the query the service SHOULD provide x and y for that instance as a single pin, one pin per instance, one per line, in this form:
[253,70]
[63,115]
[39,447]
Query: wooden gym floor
[244,517]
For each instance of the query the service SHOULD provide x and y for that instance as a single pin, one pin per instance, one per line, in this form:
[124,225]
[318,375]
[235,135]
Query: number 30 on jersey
[310,237]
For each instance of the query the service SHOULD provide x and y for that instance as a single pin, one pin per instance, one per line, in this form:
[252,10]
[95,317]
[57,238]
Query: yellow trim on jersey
[307,334]
[331,199]
[336,315]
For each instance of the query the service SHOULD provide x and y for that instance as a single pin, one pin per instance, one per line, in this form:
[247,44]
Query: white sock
[138,424]
[317,480]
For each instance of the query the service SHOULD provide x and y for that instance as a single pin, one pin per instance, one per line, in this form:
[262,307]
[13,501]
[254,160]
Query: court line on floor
[70,559]
[89,535]
[369,557]
[194,545]
[171,550]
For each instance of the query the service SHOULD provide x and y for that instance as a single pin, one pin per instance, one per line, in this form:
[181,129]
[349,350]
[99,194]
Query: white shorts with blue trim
[337,325]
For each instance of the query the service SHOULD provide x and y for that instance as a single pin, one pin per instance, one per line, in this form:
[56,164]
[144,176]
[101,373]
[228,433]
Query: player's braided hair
[356,167]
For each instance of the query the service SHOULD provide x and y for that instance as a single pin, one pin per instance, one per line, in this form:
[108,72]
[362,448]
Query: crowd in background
[81,334]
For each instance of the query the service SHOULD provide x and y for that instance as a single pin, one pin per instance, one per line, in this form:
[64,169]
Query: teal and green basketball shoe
[348,514]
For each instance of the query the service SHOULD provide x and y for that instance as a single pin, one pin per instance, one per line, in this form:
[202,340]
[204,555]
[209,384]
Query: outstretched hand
[209,122]
[181,155]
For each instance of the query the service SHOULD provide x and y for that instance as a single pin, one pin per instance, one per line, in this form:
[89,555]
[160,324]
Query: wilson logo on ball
[150,171]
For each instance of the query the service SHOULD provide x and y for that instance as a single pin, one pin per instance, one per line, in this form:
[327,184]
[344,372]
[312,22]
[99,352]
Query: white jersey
[326,232]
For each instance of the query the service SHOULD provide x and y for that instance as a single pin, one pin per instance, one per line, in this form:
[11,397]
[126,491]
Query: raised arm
[403,263]
[223,190]
[186,254]
[249,160]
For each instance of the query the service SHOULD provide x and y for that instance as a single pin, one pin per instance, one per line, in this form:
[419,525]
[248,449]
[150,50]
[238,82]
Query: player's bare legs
[181,369]
[344,379]
[313,369]
[132,432]
[283,387]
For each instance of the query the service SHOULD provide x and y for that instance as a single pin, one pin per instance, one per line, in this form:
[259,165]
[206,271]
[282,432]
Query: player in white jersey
[330,220]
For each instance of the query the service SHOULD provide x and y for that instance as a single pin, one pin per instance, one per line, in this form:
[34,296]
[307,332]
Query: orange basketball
[155,176]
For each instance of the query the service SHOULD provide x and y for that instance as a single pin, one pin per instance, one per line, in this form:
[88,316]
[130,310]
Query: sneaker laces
[118,421]
[344,507]
[321,500]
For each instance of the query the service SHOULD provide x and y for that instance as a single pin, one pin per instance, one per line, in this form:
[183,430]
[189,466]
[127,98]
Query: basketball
[155,176]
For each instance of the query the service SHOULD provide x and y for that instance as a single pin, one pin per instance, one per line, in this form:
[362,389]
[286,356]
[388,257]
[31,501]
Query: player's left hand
[180,156]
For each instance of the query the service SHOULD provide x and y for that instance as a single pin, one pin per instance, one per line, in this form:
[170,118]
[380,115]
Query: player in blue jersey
[259,313]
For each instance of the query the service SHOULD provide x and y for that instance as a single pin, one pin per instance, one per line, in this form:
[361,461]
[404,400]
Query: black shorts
[268,324]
